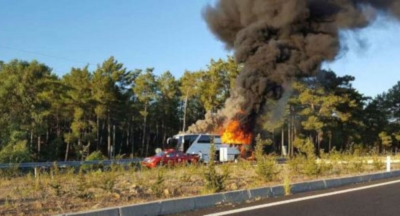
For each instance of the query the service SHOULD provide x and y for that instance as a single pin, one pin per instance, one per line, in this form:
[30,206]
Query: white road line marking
[301,199]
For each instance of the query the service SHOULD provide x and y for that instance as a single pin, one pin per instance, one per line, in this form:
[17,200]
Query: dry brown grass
[62,191]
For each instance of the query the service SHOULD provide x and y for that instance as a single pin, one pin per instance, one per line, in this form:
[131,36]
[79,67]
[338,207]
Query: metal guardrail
[109,162]
[69,163]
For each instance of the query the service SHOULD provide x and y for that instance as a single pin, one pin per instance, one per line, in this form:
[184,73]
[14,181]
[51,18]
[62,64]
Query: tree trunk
[162,129]
[38,146]
[47,136]
[158,138]
[330,141]
[31,144]
[66,152]
[121,142]
[98,133]
[318,144]
[133,144]
[109,134]
[113,140]
[103,126]
[80,147]
[184,112]
[144,130]
[58,127]
[290,132]
[164,135]
[294,126]
[147,145]
[294,136]
[127,137]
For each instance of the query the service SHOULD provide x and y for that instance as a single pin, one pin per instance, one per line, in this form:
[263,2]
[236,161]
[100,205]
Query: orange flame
[233,134]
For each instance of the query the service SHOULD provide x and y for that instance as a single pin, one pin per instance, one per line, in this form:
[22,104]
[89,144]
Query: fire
[234,134]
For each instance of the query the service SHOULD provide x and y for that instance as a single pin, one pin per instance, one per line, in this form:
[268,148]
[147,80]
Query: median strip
[173,206]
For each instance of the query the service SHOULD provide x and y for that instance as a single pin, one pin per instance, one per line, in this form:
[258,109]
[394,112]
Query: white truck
[199,144]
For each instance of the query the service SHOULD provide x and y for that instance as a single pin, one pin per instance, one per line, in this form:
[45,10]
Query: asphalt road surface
[373,199]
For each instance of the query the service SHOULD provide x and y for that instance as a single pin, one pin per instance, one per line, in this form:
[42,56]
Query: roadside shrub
[267,168]
[310,166]
[357,165]
[15,153]
[56,183]
[94,156]
[158,186]
[11,172]
[327,165]
[336,160]
[359,150]
[57,186]
[186,172]
[287,187]
[214,182]
[108,182]
[83,186]
[296,164]
[378,164]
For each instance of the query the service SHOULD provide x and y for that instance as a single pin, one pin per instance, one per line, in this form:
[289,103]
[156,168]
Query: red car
[169,157]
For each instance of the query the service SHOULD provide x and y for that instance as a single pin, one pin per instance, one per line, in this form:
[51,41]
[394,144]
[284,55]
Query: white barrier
[223,154]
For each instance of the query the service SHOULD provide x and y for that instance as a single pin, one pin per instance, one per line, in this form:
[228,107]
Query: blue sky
[167,35]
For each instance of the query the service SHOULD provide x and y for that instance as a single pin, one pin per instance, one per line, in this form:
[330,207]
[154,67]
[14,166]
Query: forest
[128,113]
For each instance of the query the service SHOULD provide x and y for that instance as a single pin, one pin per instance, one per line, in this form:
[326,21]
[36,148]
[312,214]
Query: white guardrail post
[388,163]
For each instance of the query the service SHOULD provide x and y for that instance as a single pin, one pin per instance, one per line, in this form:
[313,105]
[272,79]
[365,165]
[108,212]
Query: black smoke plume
[280,40]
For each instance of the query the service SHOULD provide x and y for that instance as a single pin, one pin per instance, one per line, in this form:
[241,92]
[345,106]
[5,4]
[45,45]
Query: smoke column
[280,40]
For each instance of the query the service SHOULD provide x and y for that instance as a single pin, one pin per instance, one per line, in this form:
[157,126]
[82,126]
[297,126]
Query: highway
[379,198]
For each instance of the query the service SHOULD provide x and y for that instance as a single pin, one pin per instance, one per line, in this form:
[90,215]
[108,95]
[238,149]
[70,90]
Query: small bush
[11,172]
[57,187]
[83,186]
[15,153]
[286,185]
[378,164]
[214,182]
[356,166]
[296,164]
[267,168]
[312,168]
[108,182]
[158,186]
[185,174]
[94,156]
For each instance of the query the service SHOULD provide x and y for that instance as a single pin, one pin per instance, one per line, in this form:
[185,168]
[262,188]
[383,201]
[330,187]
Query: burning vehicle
[231,143]
[200,144]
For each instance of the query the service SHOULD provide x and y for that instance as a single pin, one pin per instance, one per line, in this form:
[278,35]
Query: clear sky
[164,34]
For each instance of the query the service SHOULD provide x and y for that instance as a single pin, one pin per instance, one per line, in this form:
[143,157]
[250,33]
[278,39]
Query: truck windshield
[174,142]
